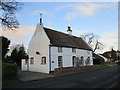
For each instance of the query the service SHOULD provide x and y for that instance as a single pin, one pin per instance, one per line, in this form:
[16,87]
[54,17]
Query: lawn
[117,85]
[8,81]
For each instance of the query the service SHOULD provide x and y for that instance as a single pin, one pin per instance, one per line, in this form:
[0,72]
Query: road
[98,78]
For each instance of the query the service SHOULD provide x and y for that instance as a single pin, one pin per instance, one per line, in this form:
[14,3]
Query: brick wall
[70,69]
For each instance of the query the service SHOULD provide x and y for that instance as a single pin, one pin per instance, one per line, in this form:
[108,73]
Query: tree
[14,55]
[21,55]
[18,55]
[5,45]
[8,18]
[113,54]
[93,41]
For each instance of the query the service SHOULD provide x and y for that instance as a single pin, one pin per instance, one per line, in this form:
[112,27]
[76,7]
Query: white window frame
[87,61]
[26,61]
[31,60]
[60,61]
[60,49]
[43,60]
[74,60]
[88,52]
[74,50]
[81,60]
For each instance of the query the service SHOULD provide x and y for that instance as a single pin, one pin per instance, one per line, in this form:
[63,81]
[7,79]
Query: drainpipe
[50,57]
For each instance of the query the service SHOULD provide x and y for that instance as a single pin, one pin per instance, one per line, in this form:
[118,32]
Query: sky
[100,18]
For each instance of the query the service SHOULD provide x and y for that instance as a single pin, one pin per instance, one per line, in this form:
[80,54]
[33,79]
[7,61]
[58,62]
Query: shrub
[98,61]
[118,63]
[9,71]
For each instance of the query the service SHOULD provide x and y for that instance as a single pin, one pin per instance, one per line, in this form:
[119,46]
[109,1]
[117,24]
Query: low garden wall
[69,69]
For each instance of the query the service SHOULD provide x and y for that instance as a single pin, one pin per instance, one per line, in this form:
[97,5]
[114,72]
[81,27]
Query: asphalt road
[99,78]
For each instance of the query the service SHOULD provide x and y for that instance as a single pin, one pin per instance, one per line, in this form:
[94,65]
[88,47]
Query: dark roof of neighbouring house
[95,56]
[65,40]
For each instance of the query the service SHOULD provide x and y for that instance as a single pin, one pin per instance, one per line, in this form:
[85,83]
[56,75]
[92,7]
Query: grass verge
[117,85]
[8,81]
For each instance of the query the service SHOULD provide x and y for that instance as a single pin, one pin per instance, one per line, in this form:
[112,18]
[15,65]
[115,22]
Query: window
[74,50]
[60,64]
[88,60]
[43,60]
[88,52]
[82,60]
[26,61]
[31,60]
[60,49]
[74,60]
[38,53]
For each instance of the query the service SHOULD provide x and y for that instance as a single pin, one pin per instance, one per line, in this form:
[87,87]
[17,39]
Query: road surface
[98,78]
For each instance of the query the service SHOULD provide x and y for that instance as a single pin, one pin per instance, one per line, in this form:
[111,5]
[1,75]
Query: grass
[8,81]
[117,85]
[103,66]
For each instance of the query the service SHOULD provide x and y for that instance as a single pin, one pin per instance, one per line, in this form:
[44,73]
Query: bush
[98,61]
[9,71]
[118,63]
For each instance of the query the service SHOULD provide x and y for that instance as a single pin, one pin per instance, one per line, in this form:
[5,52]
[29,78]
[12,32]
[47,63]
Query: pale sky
[100,18]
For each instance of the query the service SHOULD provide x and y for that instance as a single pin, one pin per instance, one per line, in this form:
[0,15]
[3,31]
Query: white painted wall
[67,56]
[24,65]
[39,42]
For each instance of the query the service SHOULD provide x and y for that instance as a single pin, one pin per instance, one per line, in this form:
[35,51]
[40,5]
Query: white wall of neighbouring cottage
[39,43]
[24,65]
[67,56]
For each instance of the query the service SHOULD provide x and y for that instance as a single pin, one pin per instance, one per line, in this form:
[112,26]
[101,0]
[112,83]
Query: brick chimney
[69,31]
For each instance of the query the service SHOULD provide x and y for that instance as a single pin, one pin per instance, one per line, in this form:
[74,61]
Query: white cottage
[50,49]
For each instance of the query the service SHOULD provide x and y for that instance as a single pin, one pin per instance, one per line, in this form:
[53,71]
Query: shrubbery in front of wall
[118,63]
[98,61]
[9,71]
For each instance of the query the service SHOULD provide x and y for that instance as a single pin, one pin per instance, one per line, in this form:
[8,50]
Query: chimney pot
[69,31]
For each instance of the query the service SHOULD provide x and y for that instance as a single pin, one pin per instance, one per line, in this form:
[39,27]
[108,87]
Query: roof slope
[64,40]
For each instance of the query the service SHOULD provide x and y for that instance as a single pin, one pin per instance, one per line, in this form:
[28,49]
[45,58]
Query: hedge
[98,61]
[9,71]
[118,63]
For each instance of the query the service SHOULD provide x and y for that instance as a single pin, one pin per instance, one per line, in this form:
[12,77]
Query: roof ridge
[62,32]
[58,38]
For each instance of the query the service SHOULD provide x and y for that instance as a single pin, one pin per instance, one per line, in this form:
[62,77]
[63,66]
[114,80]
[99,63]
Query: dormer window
[74,50]
[60,49]
[88,52]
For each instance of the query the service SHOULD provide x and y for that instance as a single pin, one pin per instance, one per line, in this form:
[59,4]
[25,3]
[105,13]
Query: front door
[60,63]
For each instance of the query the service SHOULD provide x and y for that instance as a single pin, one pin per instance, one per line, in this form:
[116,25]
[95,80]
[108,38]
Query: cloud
[85,9]
[20,36]
[88,8]
[41,11]
[80,32]
[110,40]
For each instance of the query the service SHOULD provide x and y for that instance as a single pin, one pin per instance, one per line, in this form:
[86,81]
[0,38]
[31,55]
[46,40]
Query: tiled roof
[64,40]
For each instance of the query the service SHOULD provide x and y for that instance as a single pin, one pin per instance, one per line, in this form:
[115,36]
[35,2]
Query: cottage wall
[39,43]
[67,55]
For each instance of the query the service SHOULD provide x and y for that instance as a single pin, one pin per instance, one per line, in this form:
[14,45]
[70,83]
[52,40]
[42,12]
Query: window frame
[73,60]
[88,52]
[82,60]
[31,60]
[87,61]
[26,61]
[43,60]
[74,50]
[60,61]
[59,49]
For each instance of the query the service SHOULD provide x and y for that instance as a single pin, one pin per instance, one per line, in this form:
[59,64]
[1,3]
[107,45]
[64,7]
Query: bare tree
[8,18]
[93,41]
